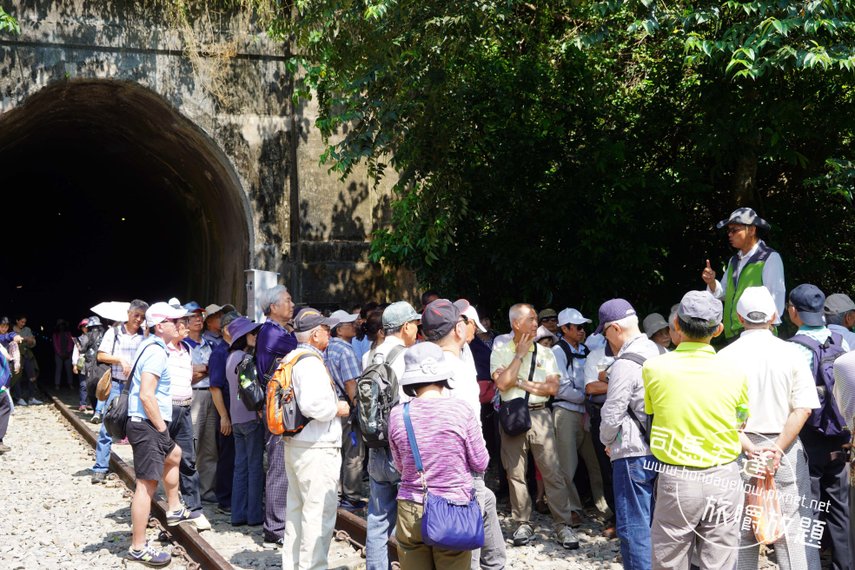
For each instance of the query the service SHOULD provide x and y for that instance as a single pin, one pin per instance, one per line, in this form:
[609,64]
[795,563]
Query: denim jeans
[382,508]
[81,383]
[105,442]
[633,488]
[248,482]
[181,432]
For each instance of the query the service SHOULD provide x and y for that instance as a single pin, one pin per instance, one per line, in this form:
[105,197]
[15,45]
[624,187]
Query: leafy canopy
[567,151]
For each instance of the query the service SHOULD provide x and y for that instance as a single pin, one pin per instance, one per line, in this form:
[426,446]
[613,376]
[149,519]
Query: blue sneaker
[351,506]
[180,515]
[149,556]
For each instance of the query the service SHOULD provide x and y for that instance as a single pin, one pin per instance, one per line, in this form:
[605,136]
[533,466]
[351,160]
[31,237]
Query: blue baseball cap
[809,301]
[613,310]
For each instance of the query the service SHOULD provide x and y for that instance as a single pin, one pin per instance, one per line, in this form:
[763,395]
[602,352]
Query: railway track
[350,528]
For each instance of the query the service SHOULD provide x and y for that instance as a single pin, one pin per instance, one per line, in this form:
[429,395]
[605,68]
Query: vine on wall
[212,33]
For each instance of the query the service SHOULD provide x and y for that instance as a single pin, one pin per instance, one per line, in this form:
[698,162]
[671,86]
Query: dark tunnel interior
[110,195]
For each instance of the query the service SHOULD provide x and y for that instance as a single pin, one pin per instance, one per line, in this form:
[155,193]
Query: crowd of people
[693,454]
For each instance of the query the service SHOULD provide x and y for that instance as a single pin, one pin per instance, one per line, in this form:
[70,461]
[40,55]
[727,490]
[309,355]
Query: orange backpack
[283,414]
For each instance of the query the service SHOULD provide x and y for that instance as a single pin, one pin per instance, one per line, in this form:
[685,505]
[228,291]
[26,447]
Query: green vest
[750,276]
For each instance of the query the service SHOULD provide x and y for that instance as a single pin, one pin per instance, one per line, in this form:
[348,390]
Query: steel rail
[199,549]
[355,528]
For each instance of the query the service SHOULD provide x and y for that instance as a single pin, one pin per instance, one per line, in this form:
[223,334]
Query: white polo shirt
[464,383]
[779,379]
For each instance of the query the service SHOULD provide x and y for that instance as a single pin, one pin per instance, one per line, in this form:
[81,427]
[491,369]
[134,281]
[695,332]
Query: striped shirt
[844,387]
[342,363]
[450,444]
[125,348]
[180,370]
[200,353]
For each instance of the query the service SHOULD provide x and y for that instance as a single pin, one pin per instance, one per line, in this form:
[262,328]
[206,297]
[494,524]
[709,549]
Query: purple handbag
[446,524]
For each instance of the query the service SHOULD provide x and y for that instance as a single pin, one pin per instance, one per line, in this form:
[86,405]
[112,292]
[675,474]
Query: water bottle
[741,415]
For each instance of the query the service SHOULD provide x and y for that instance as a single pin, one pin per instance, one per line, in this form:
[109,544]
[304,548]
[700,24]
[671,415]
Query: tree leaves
[570,151]
[8,23]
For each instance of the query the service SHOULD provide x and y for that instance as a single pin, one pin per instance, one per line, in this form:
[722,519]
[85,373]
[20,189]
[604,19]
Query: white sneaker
[35,402]
[21,402]
[201,522]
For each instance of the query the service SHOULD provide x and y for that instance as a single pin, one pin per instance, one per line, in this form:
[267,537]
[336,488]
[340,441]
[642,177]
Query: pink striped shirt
[180,371]
[450,443]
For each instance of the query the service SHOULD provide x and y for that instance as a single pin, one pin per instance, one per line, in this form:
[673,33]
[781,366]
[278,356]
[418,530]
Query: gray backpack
[376,395]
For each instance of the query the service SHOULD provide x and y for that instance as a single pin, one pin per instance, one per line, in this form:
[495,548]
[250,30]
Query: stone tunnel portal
[110,194]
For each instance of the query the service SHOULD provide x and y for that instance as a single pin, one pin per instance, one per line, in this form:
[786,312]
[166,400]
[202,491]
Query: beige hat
[214,308]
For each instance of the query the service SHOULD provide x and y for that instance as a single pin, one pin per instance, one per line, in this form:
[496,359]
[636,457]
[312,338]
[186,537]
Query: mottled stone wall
[261,156]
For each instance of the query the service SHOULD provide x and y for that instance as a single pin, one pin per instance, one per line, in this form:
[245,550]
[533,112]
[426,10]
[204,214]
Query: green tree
[568,151]
[8,23]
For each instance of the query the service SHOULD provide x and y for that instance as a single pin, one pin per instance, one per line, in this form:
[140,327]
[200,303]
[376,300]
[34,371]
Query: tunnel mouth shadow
[115,195]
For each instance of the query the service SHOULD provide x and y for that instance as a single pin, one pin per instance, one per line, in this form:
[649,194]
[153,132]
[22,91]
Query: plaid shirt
[126,347]
[342,363]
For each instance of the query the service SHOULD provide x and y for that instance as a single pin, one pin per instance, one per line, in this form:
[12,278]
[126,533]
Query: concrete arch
[140,169]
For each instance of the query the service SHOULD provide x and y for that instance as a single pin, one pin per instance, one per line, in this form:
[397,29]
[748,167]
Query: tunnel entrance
[110,194]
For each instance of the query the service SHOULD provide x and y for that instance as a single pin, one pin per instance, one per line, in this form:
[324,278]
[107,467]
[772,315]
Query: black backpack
[376,395]
[827,419]
[570,355]
[250,391]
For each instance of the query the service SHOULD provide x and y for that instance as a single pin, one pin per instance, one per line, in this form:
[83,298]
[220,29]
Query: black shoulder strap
[567,354]
[531,369]
[640,360]
[570,355]
[633,357]
[394,354]
[126,388]
[640,425]
[533,363]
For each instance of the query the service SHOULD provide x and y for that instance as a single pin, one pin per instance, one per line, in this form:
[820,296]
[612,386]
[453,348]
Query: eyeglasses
[735,229]
[549,320]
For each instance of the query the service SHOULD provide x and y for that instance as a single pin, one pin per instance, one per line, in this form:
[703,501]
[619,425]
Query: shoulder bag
[446,524]
[116,414]
[513,414]
[105,383]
